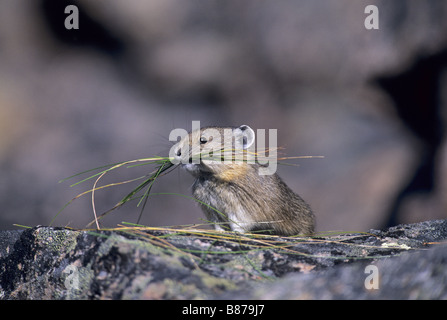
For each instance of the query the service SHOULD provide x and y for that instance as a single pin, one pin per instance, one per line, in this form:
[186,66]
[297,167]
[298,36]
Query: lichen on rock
[60,263]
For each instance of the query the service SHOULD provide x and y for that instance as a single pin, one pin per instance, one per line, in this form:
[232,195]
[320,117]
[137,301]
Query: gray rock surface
[145,263]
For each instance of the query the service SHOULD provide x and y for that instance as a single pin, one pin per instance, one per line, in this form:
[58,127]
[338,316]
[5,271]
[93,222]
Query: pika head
[212,150]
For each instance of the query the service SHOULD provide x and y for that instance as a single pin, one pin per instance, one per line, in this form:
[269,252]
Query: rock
[417,275]
[155,263]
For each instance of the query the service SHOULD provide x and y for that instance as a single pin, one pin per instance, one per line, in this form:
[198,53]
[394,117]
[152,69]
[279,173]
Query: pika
[232,194]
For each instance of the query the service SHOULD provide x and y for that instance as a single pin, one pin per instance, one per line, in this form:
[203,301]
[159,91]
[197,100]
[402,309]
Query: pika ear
[246,134]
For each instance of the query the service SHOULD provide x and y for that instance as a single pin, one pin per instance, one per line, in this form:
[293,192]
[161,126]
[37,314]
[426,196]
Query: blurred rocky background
[373,102]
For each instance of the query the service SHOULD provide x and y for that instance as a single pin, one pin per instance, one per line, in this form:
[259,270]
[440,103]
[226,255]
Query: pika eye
[203,140]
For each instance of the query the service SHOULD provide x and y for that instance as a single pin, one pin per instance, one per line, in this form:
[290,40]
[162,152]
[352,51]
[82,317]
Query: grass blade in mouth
[150,181]
[162,168]
[164,165]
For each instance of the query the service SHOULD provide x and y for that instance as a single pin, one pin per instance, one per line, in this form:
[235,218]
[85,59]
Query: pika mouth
[192,168]
[196,169]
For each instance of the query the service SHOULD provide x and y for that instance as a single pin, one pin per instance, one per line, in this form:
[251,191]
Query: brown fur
[236,197]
